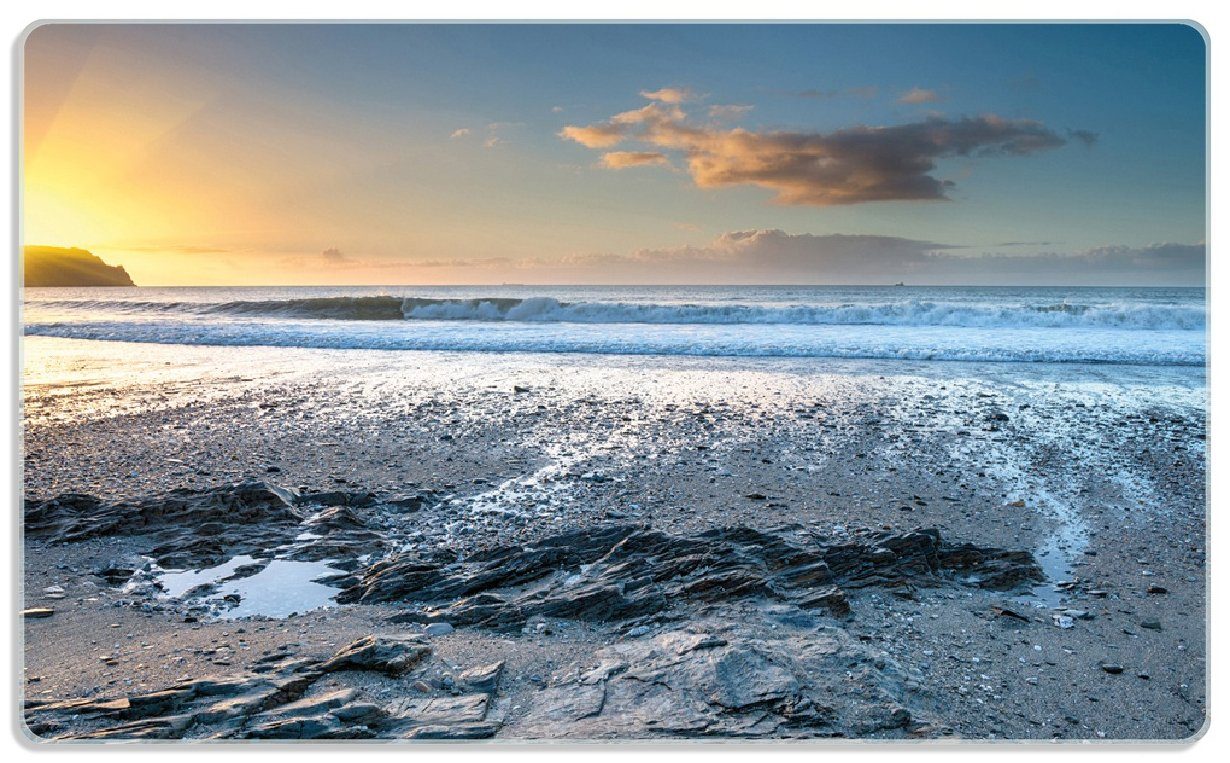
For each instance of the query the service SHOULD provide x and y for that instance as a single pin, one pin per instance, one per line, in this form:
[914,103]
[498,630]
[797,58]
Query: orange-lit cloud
[595,136]
[618,160]
[849,166]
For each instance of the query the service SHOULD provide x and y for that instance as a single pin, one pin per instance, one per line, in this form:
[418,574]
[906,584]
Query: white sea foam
[870,342]
[911,312]
[1090,325]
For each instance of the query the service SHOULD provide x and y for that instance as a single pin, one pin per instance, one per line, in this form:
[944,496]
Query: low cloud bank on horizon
[775,256]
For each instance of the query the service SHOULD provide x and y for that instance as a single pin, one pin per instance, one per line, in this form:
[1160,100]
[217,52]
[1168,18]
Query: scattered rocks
[37,612]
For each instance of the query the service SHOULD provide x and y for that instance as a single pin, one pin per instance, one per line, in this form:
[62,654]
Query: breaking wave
[914,312]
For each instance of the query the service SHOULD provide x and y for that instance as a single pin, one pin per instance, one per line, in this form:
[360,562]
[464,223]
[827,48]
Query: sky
[699,153]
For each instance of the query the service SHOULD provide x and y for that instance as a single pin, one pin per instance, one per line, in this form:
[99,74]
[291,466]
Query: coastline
[1098,471]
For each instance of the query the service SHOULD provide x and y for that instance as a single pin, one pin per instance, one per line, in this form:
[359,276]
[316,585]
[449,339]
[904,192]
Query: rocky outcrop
[708,679]
[75,517]
[278,699]
[695,682]
[392,655]
[201,528]
[619,573]
[61,266]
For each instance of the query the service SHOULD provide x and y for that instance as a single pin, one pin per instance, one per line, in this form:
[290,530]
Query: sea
[1092,325]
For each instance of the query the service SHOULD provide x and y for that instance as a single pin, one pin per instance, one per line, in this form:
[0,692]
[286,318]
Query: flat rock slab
[280,699]
[688,683]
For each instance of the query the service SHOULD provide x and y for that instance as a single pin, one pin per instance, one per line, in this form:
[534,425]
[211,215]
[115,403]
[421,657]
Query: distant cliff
[57,266]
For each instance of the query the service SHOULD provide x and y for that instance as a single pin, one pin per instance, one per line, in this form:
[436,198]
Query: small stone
[1112,668]
[1008,613]
[438,629]
[1153,625]
[483,678]
[38,612]
[1156,589]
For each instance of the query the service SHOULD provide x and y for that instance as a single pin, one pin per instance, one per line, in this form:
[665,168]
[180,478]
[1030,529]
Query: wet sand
[1098,471]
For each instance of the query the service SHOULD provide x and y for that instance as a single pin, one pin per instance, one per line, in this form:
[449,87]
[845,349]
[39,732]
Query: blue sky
[393,145]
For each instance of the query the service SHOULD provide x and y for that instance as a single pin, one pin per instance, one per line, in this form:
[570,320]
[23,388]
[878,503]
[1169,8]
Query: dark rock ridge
[702,682]
[278,699]
[709,679]
[198,528]
[75,517]
[60,266]
[623,572]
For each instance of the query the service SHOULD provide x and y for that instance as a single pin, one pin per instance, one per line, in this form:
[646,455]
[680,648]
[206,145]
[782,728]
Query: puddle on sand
[283,586]
[1057,557]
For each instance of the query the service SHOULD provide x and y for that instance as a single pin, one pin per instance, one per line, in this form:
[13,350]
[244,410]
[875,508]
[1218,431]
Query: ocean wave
[1127,316]
[1020,345]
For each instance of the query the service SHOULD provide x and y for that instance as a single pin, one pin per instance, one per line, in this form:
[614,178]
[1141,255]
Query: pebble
[38,612]
[438,629]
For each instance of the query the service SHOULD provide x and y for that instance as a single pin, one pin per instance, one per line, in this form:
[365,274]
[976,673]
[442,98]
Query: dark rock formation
[278,699]
[200,528]
[59,266]
[74,517]
[621,572]
[709,679]
[695,682]
[392,655]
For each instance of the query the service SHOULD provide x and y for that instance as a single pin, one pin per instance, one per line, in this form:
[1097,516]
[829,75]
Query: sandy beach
[564,546]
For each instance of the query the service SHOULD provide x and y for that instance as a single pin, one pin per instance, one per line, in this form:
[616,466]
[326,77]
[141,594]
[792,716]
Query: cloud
[1086,137]
[492,141]
[460,133]
[866,92]
[919,95]
[731,111]
[848,166]
[557,109]
[163,248]
[618,160]
[335,256]
[669,95]
[595,136]
[773,256]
